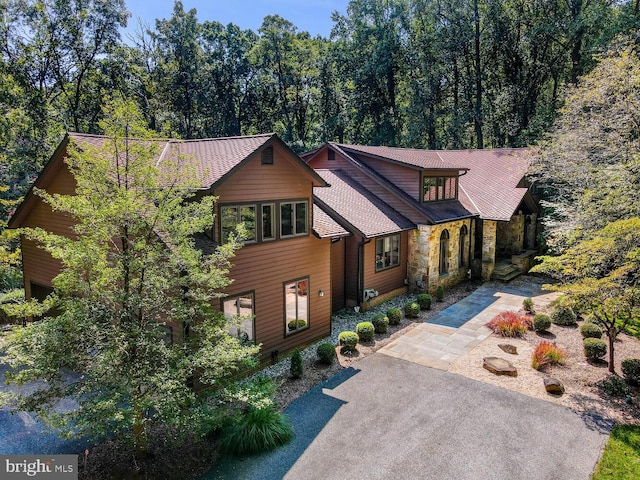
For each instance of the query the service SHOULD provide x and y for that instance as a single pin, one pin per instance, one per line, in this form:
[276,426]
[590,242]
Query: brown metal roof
[358,207]
[429,159]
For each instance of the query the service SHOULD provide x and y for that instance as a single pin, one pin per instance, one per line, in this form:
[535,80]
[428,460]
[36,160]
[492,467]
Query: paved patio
[455,331]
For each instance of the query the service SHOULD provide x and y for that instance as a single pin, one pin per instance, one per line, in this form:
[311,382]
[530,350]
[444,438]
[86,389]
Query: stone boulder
[499,366]
[512,349]
[553,386]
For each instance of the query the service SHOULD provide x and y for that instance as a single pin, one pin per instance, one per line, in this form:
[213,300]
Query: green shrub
[380,323]
[297,367]
[631,371]
[546,353]
[594,348]
[527,305]
[590,330]
[394,315]
[509,324]
[439,293]
[614,386]
[348,340]
[296,324]
[365,331]
[541,322]
[411,309]
[424,300]
[254,431]
[562,315]
[326,353]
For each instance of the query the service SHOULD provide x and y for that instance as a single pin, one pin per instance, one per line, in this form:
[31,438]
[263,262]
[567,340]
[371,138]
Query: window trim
[392,265]
[236,297]
[274,226]
[441,182]
[239,207]
[287,331]
[294,219]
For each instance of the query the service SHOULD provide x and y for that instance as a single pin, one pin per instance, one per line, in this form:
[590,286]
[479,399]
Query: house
[421,218]
[282,273]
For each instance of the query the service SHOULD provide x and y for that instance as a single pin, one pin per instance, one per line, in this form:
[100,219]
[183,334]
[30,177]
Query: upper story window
[387,252]
[439,188]
[293,219]
[232,215]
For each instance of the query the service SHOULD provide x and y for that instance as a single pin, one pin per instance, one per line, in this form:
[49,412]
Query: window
[267,156]
[293,219]
[387,252]
[239,312]
[232,216]
[463,247]
[268,222]
[444,252]
[296,305]
[439,188]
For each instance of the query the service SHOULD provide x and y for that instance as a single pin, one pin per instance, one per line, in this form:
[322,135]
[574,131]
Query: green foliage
[541,322]
[631,371]
[411,310]
[439,293]
[348,340]
[547,353]
[394,315]
[380,323]
[620,456]
[614,386]
[296,324]
[527,305]
[254,431]
[365,331]
[424,300]
[297,367]
[562,315]
[590,330]
[326,353]
[509,324]
[132,268]
[594,348]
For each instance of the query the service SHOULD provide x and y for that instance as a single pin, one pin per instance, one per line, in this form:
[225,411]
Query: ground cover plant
[620,457]
[509,324]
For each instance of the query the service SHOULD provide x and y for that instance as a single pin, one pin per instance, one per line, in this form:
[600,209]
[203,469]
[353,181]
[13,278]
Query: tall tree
[130,269]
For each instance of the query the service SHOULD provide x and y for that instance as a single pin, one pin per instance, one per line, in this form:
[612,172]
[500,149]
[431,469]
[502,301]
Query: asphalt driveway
[389,418]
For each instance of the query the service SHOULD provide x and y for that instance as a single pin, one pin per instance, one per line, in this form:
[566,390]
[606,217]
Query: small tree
[130,268]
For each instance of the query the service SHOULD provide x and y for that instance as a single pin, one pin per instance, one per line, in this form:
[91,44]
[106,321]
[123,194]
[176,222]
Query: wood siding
[320,162]
[404,178]
[389,279]
[337,275]
[352,268]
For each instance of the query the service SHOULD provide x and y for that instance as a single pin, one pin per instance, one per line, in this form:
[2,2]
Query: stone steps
[505,272]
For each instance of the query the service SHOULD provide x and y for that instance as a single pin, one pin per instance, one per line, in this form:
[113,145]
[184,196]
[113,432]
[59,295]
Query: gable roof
[324,226]
[410,157]
[357,208]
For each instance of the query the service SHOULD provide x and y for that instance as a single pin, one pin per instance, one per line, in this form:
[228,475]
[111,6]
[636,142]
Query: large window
[239,311]
[463,247]
[439,188]
[293,219]
[444,252]
[296,305]
[387,252]
[232,215]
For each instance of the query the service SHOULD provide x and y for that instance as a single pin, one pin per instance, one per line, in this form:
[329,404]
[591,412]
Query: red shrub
[546,353]
[510,324]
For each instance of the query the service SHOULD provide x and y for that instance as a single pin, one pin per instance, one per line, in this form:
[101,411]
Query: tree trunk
[612,339]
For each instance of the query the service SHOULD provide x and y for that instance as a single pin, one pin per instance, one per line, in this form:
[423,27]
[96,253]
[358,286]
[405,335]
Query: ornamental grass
[547,353]
[510,324]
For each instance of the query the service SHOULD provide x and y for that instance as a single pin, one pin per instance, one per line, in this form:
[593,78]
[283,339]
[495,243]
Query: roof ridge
[212,139]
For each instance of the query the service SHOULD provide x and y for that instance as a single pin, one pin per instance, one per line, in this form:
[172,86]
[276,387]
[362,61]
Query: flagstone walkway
[455,331]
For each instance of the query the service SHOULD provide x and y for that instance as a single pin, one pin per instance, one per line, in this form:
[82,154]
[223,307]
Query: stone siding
[510,236]
[489,228]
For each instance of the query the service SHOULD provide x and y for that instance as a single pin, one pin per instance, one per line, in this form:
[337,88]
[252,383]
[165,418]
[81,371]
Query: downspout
[360,286]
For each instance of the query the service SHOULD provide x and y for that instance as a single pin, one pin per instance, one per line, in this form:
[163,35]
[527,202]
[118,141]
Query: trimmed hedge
[380,323]
[631,370]
[394,315]
[590,330]
[411,309]
[365,331]
[594,348]
[348,340]
[424,300]
[326,353]
[541,322]
[563,316]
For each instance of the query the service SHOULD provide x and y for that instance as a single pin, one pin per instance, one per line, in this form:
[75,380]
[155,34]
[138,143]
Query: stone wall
[489,228]
[424,256]
[510,236]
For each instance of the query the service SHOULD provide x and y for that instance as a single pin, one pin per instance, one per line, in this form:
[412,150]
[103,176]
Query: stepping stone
[553,386]
[499,366]
[512,349]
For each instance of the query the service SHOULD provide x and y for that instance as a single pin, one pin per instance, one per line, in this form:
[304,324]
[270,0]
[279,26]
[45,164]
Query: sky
[313,16]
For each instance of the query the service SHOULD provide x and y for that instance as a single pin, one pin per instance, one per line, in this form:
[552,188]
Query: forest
[438,74]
